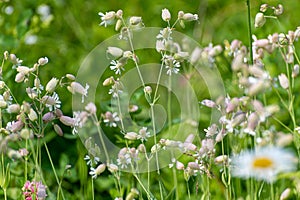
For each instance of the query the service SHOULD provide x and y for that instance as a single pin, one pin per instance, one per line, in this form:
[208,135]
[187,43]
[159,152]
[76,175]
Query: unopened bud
[3,104]
[278,10]
[166,15]
[283,81]
[114,51]
[6,55]
[190,17]
[222,159]
[13,108]
[31,93]
[16,126]
[43,61]
[131,136]
[113,168]
[119,14]
[68,121]
[32,115]
[70,77]
[25,133]
[48,100]
[295,71]
[193,165]
[285,194]
[51,85]
[263,7]
[58,130]
[179,165]
[91,108]
[20,77]
[148,90]
[118,25]
[58,113]
[135,20]
[260,20]
[48,117]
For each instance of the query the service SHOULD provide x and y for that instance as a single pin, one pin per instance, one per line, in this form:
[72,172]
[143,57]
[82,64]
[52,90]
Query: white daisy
[263,164]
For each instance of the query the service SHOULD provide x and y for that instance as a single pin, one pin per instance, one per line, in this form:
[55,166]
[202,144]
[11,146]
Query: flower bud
[25,107]
[13,108]
[141,148]
[37,82]
[193,165]
[222,159]
[131,136]
[278,10]
[91,108]
[3,104]
[31,93]
[48,100]
[263,7]
[166,15]
[114,51]
[285,194]
[208,103]
[283,81]
[70,77]
[155,148]
[76,87]
[113,168]
[119,14]
[66,120]
[147,90]
[6,55]
[43,61]
[100,169]
[58,113]
[190,17]
[32,115]
[25,133]
[260,20]
[51,85]
[20,77]
[295,71]
[135,20]
[179,165]
[23,69]
[118,25]
[58,130]
[48,117]
[16,126]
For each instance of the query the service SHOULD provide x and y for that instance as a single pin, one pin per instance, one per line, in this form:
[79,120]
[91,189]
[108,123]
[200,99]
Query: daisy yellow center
[262,162]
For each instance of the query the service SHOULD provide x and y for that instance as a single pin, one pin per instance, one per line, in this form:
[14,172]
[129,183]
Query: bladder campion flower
[263,164]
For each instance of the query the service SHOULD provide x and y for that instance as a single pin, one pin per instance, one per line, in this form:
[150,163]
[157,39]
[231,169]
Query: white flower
[263,164]
[143,134]
[90,161]
[97,171]
[283,81]
[110,119]
[117,67]
[107,18]
[56,104]
[165,15]
[173,68]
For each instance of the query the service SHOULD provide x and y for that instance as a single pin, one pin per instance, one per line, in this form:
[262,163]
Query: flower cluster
[34,191]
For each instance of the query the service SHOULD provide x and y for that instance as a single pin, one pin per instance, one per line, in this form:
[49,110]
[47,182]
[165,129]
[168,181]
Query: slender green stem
[54,171]
[250,30]
[93,192]
[142,185]
[101,138]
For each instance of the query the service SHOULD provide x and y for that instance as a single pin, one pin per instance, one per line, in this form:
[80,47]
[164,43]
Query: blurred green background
[66,31]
